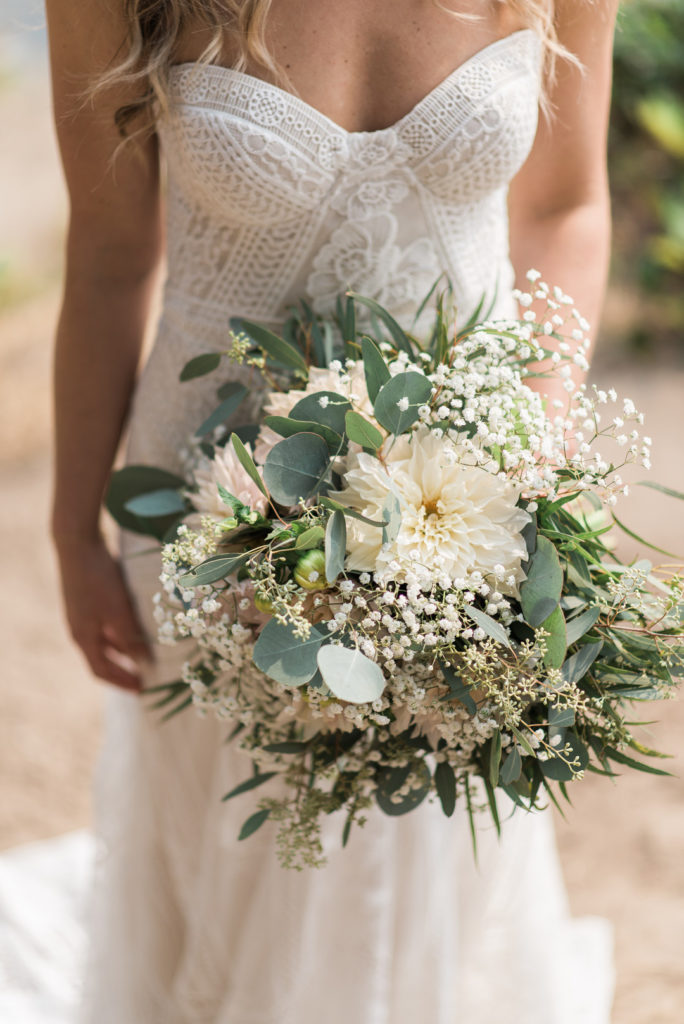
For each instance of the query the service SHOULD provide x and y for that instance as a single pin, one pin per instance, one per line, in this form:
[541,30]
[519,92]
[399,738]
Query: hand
[101,616]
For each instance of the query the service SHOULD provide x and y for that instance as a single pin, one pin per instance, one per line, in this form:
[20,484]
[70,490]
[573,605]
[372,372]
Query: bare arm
[559,202]
[113,249]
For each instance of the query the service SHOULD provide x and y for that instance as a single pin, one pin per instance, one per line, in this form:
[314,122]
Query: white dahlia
[351,384]
[225,469]
[455,518]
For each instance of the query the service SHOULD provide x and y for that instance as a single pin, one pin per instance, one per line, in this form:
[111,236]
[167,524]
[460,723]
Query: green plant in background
[647,154]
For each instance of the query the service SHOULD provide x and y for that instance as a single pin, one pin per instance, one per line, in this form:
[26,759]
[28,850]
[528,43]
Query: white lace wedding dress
[268,201]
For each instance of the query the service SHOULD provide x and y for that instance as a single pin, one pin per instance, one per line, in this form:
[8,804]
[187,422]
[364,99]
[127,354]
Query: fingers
[107,664]
[123,630]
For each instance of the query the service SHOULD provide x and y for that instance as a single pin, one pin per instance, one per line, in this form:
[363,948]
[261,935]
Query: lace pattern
[274,186]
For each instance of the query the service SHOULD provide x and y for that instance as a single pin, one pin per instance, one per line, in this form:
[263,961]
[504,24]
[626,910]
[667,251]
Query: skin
[363,65]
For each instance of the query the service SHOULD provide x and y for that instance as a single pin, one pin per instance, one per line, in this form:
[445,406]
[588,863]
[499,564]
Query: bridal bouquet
[397,585]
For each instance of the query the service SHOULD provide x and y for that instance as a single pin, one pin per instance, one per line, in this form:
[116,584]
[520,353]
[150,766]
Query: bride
[267,150]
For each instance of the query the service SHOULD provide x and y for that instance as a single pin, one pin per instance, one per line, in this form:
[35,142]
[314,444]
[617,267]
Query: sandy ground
[622,845]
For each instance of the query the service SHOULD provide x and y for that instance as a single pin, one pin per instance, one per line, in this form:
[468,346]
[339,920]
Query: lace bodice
[270,201]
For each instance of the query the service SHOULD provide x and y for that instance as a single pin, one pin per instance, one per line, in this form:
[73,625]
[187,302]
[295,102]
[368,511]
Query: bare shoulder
[114,191]
[586,26]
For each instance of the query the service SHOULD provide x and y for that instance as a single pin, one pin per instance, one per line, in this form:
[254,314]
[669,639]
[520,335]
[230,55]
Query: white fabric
[44,888]
[268,200]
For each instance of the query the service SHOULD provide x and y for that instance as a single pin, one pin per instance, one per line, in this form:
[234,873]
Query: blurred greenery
[647,165]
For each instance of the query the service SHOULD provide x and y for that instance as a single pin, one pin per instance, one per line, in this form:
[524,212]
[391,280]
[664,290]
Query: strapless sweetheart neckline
[233,73]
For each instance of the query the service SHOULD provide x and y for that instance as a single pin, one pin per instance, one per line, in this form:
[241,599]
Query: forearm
[99,338]
[570,249]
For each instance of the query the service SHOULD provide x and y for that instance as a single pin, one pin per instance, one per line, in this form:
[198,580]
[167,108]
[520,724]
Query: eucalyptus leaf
[391,514]
[410,389]
[458,690]
[286,426]
[491,627]
[295,467]
[360,431]
[223,411]
[630,762]
[581,624]
[330,503]
[445,784]
[278,349]
[557,769]
[494,758]
[156,503]
[557,640]
[577,665]
[331,414]
[216,568]
[661,487]
[285,657]
[511,767]
[407,803]
[199,366]
[561,717]
[335,545]
[134,480]
[311,538]
[350,675]
[541,591]
[253,823]
[399,336]
[375,368]
[251,783]
[247,462]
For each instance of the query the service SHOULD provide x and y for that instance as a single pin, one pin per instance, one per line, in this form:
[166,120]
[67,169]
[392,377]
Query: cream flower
[281,403]
[225,469]
[455,518]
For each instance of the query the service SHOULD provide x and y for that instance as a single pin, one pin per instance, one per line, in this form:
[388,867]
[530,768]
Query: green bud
[309,571]
[263,604]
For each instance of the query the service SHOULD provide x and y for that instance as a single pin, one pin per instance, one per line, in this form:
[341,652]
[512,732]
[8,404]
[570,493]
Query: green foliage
[199,366]
[350,675]
[131,483]
[360,431]
[541,591]
[282,655]
[232,394]
[335,545]
[647,155]
[409,389]
[295,467]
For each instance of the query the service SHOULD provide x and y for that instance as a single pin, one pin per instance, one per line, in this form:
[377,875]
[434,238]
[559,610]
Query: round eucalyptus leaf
[350,675]
[295,466]
[286,427]
[326,407]
[558,769]
[397,403]
[541,591]
[287,658]
[387,787]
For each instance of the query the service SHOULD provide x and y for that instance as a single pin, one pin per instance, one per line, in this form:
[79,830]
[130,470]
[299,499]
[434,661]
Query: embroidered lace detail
[270,201]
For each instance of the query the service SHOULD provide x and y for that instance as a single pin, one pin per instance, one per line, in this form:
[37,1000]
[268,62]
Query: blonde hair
[156,26]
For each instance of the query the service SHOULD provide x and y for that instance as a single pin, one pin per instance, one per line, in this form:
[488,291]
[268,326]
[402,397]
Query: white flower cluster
[433,596]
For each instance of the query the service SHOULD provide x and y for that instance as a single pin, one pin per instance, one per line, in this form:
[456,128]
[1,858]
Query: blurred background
[622,844]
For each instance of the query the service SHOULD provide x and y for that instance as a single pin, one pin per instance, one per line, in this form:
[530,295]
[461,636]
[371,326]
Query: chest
[363,65]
